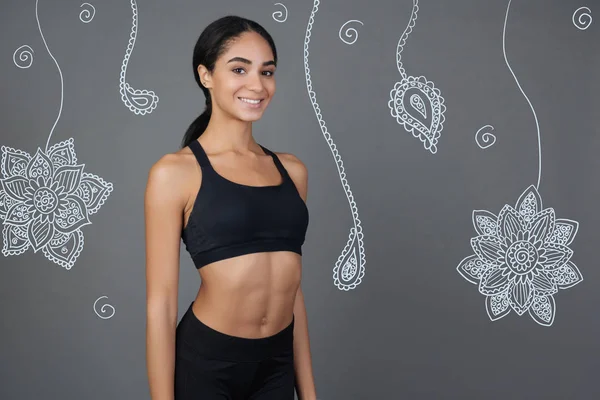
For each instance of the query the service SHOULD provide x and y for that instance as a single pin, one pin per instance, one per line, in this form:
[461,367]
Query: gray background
[414,328]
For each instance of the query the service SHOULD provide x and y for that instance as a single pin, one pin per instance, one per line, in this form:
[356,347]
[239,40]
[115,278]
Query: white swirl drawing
[485,139]
[522,256]
[417,94]
[350,266]
[102,309]
[87,14]
[46,199]
[280,16]
[584,19]
[23,54]
[140,102]
[350,33]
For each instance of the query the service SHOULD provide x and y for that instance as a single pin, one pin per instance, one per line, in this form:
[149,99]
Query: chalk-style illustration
[350,33]
[521,258]
[414,101]
[280,16]
[521,255]
[483,138]
[140,102]
[584,18]
[46,199]
[87,14]
[350,266]
[102,309]
[23,54]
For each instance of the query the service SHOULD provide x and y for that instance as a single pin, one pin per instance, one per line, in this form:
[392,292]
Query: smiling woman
[241,211]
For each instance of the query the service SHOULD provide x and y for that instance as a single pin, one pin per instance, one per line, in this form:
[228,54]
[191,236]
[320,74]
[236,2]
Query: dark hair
[211,44]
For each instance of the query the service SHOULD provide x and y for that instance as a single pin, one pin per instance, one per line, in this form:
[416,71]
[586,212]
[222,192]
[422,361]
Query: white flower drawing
[521,258]
[45,200]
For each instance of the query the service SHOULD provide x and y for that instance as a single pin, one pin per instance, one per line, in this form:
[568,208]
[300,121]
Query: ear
[205,76]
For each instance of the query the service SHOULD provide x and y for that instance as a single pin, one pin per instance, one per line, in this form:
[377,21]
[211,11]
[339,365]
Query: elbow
[161,309]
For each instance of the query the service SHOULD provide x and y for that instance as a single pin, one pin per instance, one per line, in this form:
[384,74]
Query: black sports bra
[229,219]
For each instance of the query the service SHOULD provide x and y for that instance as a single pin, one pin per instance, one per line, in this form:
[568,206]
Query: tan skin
[250,296]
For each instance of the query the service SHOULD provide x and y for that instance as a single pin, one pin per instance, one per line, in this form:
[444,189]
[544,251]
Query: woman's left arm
[305,383]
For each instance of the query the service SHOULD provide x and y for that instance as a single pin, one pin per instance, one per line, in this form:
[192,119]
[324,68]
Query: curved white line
[404,37]
[59,72]
[526,98]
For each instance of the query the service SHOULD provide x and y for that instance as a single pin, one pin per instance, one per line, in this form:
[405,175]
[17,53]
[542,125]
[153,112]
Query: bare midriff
[250,296]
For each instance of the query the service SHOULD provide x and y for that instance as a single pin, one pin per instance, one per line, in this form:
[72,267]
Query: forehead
[249,45]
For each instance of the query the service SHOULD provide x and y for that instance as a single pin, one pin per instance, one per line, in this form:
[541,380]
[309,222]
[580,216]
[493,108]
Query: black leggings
[211,365]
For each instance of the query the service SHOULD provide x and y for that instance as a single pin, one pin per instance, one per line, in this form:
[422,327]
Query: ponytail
[199,125]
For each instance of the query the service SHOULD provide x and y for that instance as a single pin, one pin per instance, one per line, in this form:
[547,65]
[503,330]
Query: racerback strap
[278,163]
[200,154]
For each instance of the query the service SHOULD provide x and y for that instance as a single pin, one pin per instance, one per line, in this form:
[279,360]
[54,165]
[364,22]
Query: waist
[252,295]
[195,338]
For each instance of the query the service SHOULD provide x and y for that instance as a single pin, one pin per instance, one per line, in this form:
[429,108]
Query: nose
[254,83]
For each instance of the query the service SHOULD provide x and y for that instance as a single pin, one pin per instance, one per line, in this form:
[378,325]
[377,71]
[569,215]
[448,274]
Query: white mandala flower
[45,200]
[521,258]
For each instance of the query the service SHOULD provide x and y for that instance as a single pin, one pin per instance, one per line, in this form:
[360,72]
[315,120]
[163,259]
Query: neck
[225,133]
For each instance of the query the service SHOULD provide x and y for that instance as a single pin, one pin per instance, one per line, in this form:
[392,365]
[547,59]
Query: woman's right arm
[164,202]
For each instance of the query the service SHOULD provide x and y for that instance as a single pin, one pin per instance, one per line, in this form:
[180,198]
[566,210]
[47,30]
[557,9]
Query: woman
[240,209]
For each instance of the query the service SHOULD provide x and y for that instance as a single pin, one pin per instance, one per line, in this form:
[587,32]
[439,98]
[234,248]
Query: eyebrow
[246,61]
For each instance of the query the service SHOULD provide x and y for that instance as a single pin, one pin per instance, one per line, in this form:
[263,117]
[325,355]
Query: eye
[237,69]
[269,73]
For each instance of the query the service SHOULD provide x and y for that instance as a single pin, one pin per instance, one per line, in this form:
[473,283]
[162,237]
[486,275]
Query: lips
[251,103]
[249,100]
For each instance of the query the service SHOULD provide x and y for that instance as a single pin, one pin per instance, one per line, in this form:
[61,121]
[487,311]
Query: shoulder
[293,164]
[297,171]
[169,176]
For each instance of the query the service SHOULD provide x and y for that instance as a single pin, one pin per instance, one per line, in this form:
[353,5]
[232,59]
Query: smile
[250,101]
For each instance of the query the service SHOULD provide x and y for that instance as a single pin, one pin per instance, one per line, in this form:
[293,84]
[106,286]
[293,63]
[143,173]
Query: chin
[249,118]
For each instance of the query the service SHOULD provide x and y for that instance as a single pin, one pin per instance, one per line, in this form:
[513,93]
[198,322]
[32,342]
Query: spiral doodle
[485,139]
[280,16]
[25,54]
[86,16]
[103,310]
[584,19]
[349,32]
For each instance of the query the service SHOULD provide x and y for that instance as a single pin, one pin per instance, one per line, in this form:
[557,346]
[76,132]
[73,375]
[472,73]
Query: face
[242,82]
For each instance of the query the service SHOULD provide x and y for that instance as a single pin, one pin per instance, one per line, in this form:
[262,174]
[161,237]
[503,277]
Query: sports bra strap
[278,163]
[200,154]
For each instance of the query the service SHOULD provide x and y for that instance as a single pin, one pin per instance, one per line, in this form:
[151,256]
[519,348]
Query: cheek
[271,86]
[228,89]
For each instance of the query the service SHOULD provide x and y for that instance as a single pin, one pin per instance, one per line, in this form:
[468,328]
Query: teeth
[250,101]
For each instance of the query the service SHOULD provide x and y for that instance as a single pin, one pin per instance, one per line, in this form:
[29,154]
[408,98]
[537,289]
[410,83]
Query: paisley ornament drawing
[415,102]
[139,102]
[349,268]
